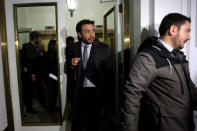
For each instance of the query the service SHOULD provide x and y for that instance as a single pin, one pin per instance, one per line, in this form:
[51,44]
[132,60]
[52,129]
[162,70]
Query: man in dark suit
[92,65]
[30,59]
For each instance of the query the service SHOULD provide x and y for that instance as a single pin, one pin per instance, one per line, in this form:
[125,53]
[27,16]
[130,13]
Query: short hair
[81,23]
[69,38]
[34,34]
[172,19]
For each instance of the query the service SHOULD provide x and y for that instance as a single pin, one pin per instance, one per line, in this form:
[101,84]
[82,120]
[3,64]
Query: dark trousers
[31,90]
[52,94]
[28,93]
[88,112]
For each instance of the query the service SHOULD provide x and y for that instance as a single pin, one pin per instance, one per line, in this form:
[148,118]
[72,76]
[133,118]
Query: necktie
[85,56]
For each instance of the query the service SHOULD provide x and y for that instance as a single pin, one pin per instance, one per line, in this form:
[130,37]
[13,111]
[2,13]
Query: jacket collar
[166,53]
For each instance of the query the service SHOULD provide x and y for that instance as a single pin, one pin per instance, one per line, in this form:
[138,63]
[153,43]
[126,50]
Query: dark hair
[34,34]
[81,23]
[69,38]
[51,44]
[172,19]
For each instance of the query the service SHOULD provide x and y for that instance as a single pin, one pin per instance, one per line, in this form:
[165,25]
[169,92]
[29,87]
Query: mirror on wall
[38,63]
[109,29]
[109,38]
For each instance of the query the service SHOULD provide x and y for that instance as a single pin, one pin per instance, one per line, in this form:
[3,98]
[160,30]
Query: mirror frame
[105,23]
[15,6]
[126,25]
[6,70]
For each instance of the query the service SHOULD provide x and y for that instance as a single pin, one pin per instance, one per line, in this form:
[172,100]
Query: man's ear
[173,30]
[79,34]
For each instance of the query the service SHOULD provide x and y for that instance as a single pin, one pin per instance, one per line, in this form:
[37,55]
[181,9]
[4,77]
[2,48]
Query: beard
[177,42]
[89,39]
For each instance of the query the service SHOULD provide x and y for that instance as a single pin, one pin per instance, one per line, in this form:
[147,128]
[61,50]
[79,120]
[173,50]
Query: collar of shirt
[88,48]
[83,44]
[168,47]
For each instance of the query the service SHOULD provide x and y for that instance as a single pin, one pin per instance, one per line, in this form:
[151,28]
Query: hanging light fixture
[71,6]
[104,1]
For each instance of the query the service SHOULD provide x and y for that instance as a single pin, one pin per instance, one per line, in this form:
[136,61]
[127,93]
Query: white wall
[86,9]
[13,66]
[3,113]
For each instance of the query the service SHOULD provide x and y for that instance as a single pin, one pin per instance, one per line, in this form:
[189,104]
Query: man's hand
[33,78]
[25,69]
[75,61]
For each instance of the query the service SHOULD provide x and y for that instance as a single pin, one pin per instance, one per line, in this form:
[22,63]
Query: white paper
[53,76]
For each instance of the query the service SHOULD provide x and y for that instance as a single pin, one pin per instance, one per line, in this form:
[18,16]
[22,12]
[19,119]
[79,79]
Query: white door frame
[13,67]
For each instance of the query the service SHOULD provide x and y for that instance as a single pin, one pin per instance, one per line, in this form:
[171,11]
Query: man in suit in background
[92,65]
[30,59]
[69,40]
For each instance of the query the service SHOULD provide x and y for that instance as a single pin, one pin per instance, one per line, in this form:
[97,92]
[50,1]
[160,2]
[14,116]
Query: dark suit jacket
[30,58]
[99,70]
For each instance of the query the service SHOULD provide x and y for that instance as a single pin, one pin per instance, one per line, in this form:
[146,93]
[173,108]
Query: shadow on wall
[63,80]
[149,32]
[146,31]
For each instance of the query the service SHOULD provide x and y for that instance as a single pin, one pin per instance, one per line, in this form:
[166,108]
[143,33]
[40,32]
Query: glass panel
[37,55]
[109,38]
[111,31]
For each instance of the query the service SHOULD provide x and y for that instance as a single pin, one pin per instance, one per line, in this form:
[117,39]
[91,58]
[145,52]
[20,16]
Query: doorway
[102,12]
[66,27]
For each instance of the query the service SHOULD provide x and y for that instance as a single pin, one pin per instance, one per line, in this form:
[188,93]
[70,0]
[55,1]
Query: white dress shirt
[168,47]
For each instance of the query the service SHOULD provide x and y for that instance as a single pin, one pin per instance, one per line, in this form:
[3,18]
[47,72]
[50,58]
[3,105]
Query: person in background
[70,75]
[91,63]
[42,74]
[69,40]
[159,94]
[30,56]
[52,75]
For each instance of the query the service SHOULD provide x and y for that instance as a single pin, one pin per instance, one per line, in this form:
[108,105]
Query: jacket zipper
[182,90]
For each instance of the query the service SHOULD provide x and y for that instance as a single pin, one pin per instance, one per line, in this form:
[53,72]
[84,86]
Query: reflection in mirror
[37,58]
[126,39]
[109,33]
[126,25]
[109,38]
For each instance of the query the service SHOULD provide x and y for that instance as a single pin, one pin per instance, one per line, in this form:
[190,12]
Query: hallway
[122,24]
